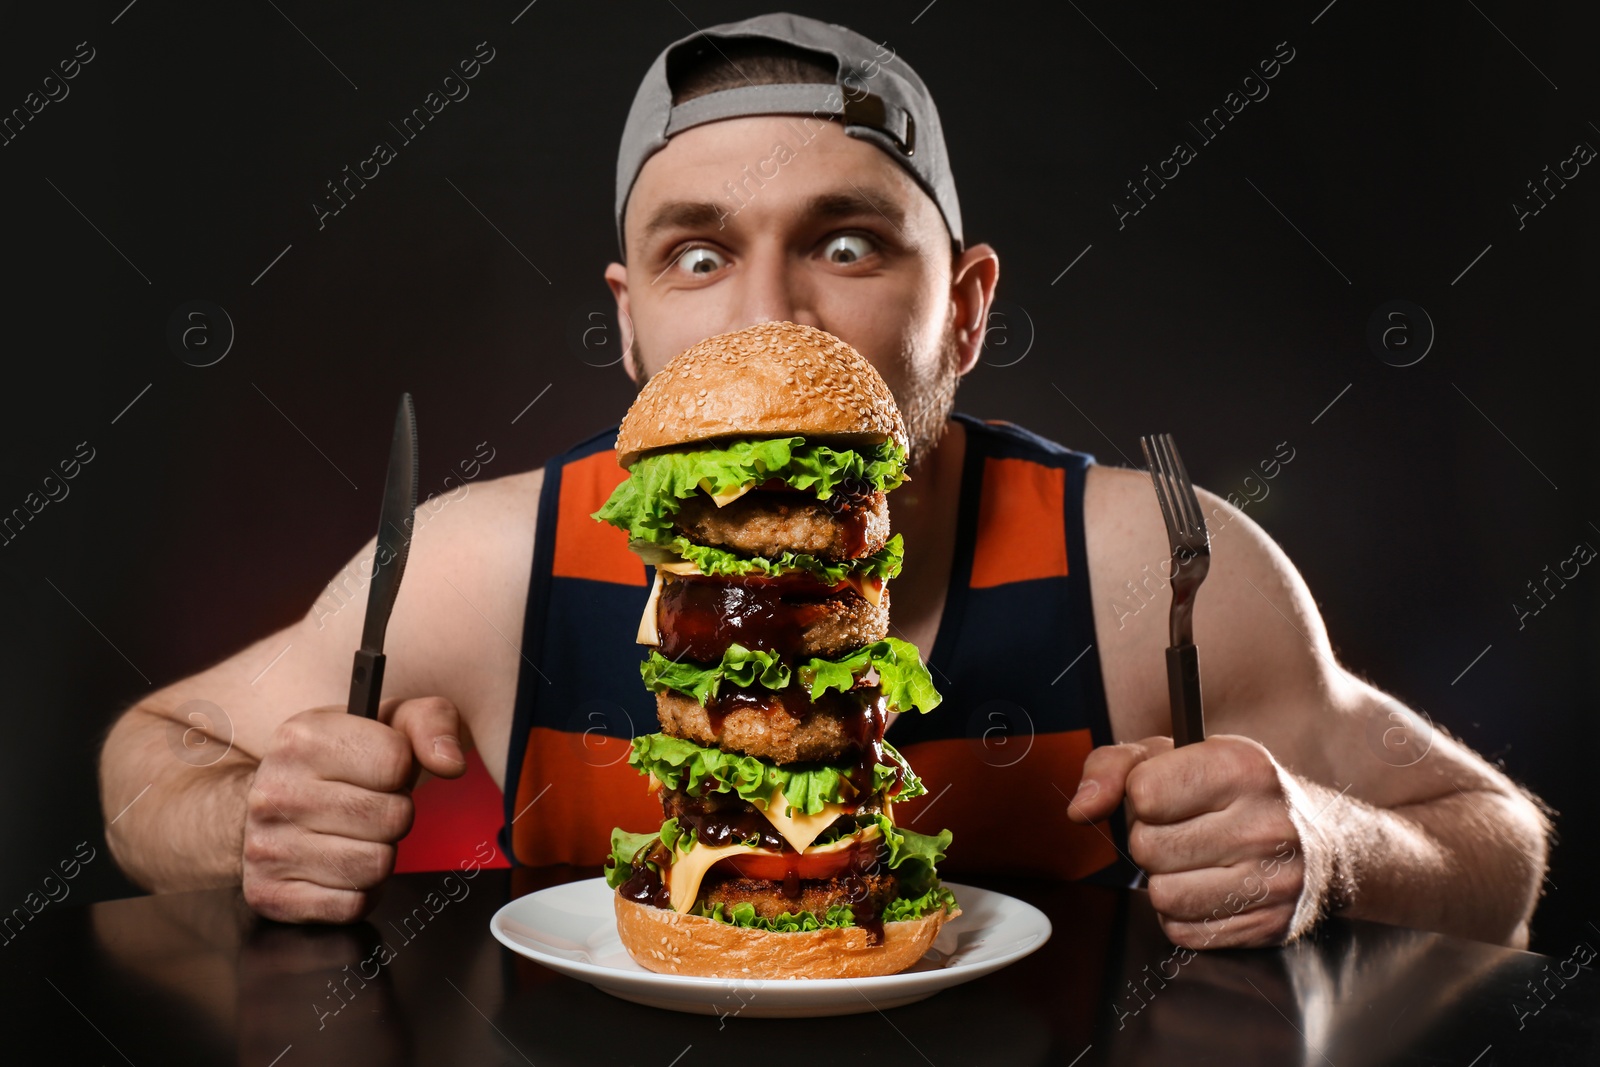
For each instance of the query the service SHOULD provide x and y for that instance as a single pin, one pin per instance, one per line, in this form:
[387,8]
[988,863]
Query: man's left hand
[1217,827]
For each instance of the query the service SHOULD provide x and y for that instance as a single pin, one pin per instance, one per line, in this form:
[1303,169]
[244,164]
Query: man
[783,169]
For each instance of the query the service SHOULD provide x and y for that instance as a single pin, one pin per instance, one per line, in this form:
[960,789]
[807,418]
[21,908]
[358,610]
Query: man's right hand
[331,798]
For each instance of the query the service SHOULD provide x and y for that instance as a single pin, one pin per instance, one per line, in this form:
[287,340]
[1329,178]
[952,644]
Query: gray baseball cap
[877,96]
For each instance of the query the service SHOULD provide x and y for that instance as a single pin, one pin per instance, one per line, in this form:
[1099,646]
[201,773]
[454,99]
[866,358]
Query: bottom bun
[668,942]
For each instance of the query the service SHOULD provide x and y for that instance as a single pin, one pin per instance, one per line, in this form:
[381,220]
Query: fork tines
[1186,523]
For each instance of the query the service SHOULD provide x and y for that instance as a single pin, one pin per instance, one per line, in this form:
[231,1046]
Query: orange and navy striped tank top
[1014,660]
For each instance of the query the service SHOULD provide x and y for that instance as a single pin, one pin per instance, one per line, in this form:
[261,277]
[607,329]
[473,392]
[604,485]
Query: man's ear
[973,278]
[617,278]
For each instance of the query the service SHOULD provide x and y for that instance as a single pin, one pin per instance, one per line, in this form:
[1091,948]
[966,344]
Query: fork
[1191,559]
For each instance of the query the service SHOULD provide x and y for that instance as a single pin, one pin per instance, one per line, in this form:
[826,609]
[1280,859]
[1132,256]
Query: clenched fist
[1223,832]
[330,799]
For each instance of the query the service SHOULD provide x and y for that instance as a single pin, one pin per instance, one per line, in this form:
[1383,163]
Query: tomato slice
[777,867]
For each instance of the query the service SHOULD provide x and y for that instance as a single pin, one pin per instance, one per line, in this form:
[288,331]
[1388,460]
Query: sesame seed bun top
[767,380]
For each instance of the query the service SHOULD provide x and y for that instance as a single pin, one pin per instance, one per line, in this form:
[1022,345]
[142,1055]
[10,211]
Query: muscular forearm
[185,830]
[1467,863]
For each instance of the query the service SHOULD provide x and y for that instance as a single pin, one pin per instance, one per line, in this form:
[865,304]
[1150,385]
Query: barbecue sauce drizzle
[865,728]
[861,715]
[850,503]
[864,724]
[857,895]
[645,885]
[789,701]
[717,828]
[699,618]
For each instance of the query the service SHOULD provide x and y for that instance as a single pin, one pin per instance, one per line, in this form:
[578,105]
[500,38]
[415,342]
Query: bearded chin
[926,400]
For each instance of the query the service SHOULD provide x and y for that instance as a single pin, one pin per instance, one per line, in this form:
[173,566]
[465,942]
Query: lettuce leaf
[904,679]
[645,504]
[624,846]
[674,837]
[744,915]
[697,770]
[913,857]
[740,666]
[883,564]
[899,909]
[902,908]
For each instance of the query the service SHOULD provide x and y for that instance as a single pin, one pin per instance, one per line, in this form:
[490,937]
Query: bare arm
[173,787]
[190,756]
[1383,816]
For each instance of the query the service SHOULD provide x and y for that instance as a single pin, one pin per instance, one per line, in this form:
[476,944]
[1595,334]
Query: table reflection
[423,982]
[1335,998]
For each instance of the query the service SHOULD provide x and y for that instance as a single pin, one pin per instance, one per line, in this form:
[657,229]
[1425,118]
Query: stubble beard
[927,397]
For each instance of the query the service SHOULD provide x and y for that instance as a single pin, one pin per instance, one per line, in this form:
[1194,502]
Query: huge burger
[758,466]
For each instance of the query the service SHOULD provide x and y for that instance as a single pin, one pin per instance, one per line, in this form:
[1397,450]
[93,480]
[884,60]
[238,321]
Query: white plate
[572,928]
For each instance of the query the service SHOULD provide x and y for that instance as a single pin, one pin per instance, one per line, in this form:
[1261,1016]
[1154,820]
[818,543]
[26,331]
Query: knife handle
[1183,689]
[366,683]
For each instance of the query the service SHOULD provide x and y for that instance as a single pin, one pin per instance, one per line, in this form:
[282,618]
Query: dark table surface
[195,978]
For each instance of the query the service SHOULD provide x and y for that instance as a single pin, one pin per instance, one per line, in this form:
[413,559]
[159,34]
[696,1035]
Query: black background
[1417,506]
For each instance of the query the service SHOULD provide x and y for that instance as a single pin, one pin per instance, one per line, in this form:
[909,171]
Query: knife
[389,560]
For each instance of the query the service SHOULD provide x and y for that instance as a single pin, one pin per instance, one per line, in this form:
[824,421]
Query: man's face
[827,232]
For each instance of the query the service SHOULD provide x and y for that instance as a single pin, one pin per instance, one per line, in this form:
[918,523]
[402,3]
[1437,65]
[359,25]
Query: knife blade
[395,518]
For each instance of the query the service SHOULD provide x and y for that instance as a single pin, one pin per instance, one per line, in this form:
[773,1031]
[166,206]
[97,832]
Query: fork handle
[1183,688]
[366,683]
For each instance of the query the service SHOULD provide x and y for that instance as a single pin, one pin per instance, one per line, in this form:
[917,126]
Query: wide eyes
[701,261]
[846,248]
[841,249]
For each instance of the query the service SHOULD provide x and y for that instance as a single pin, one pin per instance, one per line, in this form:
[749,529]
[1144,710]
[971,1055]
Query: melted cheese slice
[683,566]
[871,589]
[722,500]
[648,634]
[799,829]
[688,869]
